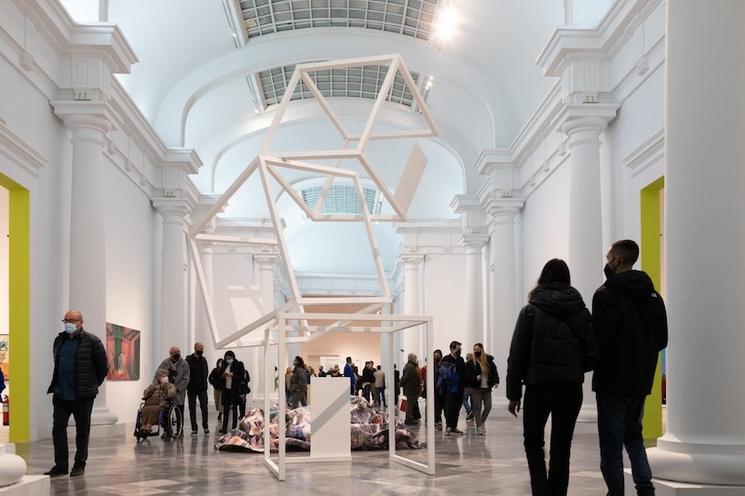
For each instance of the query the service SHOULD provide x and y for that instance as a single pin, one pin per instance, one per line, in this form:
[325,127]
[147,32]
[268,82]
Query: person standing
[80,367]
[439,398]
[321,372]
[380,387]
[178,374]
[215,378]
[298,384]
[630,326]
[197,387]
[481,377]
[552,348]
[232,377]
[396,383]
[368,380]
[450,381]
[467,403]
[349,372]
[412,386]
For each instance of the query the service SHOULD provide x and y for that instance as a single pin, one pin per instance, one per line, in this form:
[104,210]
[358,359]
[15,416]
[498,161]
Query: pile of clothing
[369,430]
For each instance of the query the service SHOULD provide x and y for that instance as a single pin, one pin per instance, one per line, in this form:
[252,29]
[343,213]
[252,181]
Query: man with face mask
[80,367]
[630,326]
[178,374]
[450,382]
[197,388]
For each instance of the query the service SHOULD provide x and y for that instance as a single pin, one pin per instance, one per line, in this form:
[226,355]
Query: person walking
[197,387]
[178,374]
[232,377]
[368,380]
[380,387]
[298,384]
[450,382]
[481,377]
[215,378]
[80,367]
[467,403]
[630,326]
[439,398]
[552,348]
[412,386]
[349,372]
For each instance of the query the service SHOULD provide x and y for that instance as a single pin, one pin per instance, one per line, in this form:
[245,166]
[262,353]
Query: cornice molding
[646,154]
[19,152]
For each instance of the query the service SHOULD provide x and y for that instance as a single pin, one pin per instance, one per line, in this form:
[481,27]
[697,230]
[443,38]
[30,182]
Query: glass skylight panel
[406,17]
[341,199]
[353,82]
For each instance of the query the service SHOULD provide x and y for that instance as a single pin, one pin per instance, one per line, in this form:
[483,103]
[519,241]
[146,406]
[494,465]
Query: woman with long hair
[298,384]
[551,350]
[481,377]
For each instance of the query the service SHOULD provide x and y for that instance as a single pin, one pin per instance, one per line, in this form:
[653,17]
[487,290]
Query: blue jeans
[467,404]
[619,426]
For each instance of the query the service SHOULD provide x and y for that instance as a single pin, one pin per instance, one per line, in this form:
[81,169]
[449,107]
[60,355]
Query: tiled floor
[466,465]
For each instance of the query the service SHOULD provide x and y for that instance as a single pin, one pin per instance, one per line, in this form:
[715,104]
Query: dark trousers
[81,410]
[439,406]
[412,409]
[619,426]
[562,401]
[453,404]
[193,395]
[229,404]
[366,391]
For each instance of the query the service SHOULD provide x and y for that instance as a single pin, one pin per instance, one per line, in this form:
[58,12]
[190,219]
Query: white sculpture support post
[412,340]
[705,239]
[266,264]
[502,304]
[173,330]
[586,251]
[203,333]
[88,125]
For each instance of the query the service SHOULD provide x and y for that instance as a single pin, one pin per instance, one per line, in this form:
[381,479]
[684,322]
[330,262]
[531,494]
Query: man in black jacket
[197,388]
[454,388]
[630,326]
[80,367]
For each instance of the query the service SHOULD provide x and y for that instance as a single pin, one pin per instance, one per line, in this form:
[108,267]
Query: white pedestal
[29,485]
[669,488]
[331,435]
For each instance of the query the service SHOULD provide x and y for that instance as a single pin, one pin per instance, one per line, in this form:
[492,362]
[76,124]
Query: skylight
[341,199]
[353,82]
[406,17]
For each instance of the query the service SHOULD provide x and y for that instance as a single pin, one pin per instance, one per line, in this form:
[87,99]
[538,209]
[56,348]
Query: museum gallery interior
[333,189]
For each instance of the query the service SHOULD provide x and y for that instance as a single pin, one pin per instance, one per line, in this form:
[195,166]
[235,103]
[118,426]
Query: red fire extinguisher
[6,412]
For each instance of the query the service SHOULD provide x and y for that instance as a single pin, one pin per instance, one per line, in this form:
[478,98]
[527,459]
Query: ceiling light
[446,24]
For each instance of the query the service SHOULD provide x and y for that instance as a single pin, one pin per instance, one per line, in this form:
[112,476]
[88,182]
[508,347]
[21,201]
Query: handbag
[404,404]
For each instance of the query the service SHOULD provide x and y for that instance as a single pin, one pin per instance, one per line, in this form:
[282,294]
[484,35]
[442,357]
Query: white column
[203,330]
[173,326]
[586,252]
[88,234]
[502,283]
[704,243]
[266,264]
[474,324]
[412,341]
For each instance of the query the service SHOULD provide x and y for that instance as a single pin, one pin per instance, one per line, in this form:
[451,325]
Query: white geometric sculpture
[275,327]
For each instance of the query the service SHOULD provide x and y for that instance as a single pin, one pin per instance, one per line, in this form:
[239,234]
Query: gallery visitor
[380,387]
[451,383]
[80,367]
[197,387]
[551,349]
[178,374]
[232,376]
[156,398]
[298,384]
[349,372]
[215,378]
[481,376]
[412,386]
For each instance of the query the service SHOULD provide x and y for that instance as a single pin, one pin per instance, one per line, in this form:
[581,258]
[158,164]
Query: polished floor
[467,464]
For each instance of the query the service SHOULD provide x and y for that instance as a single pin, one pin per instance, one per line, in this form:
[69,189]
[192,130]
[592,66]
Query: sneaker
[457,431]
[206,430]
[222,431]
[55,472]
[469,416]
[77,471]
[194,433]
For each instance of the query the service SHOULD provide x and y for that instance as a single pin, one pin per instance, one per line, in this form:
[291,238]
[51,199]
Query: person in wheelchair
[157,397]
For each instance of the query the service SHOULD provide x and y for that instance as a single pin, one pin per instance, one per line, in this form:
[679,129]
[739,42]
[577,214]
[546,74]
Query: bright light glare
[446,24]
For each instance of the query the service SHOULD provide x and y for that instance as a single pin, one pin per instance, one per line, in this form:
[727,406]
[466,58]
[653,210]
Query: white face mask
[70,327]
[229,361]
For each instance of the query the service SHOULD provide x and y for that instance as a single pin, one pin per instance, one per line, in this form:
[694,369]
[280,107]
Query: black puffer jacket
[553,340]
[198,370]
[473,370]
[91,363]
[630,326]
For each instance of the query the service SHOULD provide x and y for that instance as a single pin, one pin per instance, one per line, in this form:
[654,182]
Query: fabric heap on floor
[369,430]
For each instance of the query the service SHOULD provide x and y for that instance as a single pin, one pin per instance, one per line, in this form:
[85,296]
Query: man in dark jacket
[412,386]
[451,378]
[197,387]
[80,367]
[630,327]
[349,372]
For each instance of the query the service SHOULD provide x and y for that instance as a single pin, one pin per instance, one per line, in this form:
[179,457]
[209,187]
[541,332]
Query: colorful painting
[5,355]
[123,351]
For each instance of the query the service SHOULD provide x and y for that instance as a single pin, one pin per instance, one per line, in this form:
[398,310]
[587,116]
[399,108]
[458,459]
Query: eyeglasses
[70,321]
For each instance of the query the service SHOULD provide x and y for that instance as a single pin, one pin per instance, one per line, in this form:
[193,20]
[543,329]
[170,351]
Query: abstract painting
[123,352]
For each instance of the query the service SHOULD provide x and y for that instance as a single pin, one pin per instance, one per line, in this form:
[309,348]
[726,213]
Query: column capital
[500,208]
[90,120]
[595,117]
[411,259]
[474,241]
[266,261]
[173,208]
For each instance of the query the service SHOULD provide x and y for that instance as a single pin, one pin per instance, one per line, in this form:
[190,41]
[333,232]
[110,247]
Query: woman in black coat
[551,350]
[298,384]
[480,377]
[232,377]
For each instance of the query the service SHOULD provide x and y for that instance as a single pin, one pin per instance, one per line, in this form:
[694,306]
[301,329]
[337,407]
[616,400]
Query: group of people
[555,342]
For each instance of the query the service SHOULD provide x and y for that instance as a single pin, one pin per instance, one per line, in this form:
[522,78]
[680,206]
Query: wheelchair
[170,424]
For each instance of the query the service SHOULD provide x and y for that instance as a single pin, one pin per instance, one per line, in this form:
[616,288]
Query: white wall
[444,298]
[131,223]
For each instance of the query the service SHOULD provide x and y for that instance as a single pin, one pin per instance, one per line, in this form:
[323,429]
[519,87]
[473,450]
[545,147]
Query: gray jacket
[179,376]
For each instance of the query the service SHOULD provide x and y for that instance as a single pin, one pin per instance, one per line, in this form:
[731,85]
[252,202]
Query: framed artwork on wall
[123,352]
